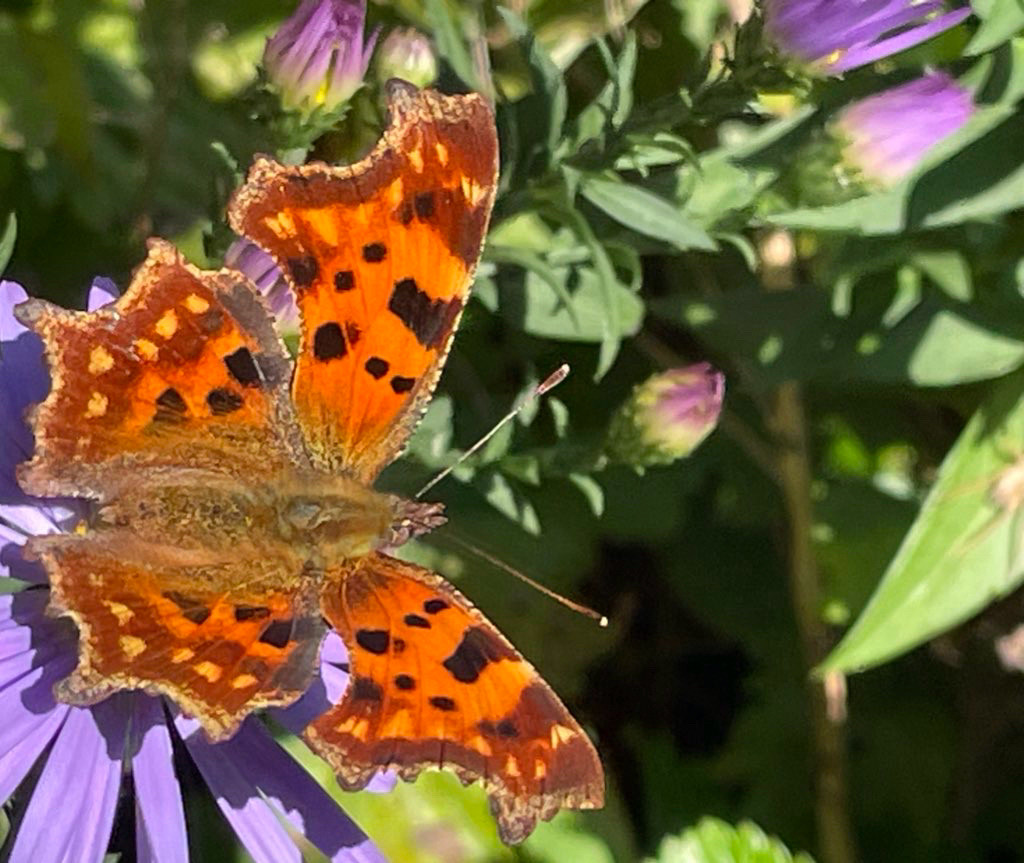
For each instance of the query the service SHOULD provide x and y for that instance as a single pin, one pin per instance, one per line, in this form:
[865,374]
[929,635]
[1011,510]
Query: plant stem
[787,422]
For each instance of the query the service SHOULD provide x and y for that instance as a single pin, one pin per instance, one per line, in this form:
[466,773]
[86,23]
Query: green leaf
[644,212]
[963,550]
[795,335]
[7,240]
[509,501]
[1001,20]
[715,841]
[450,42]
[539,116]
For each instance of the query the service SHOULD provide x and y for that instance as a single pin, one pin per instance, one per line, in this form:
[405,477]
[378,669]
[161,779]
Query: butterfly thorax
[323,518]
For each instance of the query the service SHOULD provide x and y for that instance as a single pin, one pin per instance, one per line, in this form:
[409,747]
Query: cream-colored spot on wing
[347,726]
[147,350]
[472,191]
[416,160]
[243,681]
[208,670]
[97,406]
[396,192]
[196,304]
[442,153]
[100,360]
[121,611]
[281,224]
[481,746]
[540,769]
[560,734]
[182,654]
[167,326]
[131,645]
[512,766]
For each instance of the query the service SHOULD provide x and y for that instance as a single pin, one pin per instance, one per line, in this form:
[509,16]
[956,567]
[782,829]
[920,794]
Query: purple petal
[23,381]
[895,44]
[72,808]
[20,758]
[160,834]
[255,781]
[102,292]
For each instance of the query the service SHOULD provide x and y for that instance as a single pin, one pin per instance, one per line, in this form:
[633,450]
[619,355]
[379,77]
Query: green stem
[787,422]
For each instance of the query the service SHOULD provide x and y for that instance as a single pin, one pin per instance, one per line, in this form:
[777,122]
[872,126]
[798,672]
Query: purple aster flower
[251,261]
[317,59]
[667,416]
[833,36]
[85,752]
[885,136]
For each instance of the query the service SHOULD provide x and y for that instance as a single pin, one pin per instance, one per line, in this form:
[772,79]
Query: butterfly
[234,517]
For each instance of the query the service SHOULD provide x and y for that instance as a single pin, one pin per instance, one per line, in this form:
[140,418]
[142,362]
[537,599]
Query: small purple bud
[832,36]
[885,136]
[317,59]
[667,416]
[407,54]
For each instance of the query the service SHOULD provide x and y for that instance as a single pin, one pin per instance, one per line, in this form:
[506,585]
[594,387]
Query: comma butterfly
[234,514]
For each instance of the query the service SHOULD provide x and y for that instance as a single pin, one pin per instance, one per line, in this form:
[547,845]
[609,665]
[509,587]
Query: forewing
[434,684]
[380,255]
[220,637]
[183,371]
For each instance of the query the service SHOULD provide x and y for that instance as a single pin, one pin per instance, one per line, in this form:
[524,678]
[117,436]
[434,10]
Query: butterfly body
[234,514]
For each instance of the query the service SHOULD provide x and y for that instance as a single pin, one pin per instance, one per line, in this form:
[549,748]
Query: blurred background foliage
[665,198]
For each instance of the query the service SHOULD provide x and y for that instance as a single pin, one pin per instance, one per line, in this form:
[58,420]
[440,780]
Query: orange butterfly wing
[222,637]
[184,370]
[380,255]
[434,684]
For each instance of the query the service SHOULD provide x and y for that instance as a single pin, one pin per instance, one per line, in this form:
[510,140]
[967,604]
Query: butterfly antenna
[601,619]
[545,386]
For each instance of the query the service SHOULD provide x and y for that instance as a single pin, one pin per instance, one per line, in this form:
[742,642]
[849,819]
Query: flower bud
[317,58]
[407,54]
[885,136]
[667,416]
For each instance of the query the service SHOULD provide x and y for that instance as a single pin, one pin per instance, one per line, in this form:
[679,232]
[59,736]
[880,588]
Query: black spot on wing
[402,385]
[223,401]
[251,612]
[374,253]
[374,640]
[191,609]
[376,367]
[352,333]
[477,649]
[328,342]
[433,606]
[170,406]
[303,270]
[242,367]
[405,682]
[365,689]
[428,320]
[442,702]
[344,280]
[278,634]
[417,621]
[424,204]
